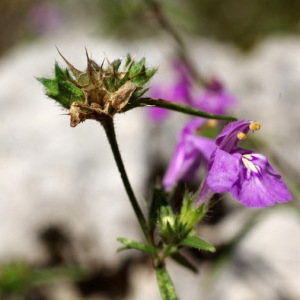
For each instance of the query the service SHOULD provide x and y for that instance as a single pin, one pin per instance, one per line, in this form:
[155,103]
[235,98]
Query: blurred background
[62,202]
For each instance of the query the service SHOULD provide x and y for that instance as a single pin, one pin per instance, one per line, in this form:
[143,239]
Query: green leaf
[183,261]
[166,286]
[15,277]
[198,243]
[130,244]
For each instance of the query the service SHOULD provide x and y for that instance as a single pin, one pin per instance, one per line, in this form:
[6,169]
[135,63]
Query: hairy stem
[108,125]
[177,107]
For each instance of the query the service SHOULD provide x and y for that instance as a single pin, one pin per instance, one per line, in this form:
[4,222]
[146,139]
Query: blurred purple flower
[214,99]
[178,92]
[191,151]
[44,17]
[247,175]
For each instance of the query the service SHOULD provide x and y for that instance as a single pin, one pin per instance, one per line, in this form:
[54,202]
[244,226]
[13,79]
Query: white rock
[54,174]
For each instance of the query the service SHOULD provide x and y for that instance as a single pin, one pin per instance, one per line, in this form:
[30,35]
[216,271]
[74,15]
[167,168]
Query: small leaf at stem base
[166,287]
[130,244]
[198,243]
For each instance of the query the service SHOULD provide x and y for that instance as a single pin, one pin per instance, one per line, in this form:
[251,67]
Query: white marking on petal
[250,166]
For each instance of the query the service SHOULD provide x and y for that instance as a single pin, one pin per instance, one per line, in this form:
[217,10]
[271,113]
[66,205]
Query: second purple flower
[247,175]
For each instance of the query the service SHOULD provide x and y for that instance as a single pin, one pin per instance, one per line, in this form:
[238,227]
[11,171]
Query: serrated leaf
[130,244]
[198,243]
[183,261]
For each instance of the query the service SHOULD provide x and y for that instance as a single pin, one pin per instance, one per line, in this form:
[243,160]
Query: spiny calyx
[99,91]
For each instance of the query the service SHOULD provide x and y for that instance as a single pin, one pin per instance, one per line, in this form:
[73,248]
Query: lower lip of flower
[250,166]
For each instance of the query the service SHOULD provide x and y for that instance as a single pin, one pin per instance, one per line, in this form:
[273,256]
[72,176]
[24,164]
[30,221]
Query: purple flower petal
[223,171]
[157,114]
[214,99]
[191,151]
[44,17]
[247,175]
[204,145]
[227,139]
[259,185]
[178,92]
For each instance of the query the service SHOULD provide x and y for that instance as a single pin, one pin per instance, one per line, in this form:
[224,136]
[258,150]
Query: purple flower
[247,175]
[178,92]
[44,17]
[191,151]
[214,99]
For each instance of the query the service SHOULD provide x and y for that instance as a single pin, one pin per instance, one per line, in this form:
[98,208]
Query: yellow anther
[254,126]
[211,123]
[241,135]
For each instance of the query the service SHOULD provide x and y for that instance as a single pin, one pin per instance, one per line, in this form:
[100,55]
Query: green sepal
[61,89]
[189,214]
[198,243]
[138,93]
[143,77]
[111,84]
[138,73]
[116,64]
[130,244]
[158,199]
[166,286]
[172,230]
[137,68]
[128,60]
[183,261]
[61,74]
[50,86]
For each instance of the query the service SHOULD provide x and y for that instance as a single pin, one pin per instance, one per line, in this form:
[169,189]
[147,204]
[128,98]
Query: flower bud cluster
[175,228]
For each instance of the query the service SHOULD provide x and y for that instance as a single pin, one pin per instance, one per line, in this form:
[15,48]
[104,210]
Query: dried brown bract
[107,91]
